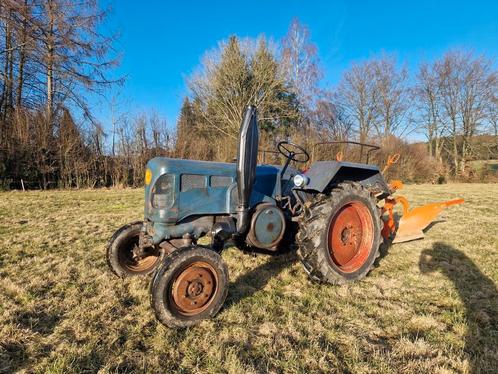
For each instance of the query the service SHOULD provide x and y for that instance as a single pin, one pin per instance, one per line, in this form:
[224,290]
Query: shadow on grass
[480,298]
[38,321]
[432,224]
[256,279]
[13,356]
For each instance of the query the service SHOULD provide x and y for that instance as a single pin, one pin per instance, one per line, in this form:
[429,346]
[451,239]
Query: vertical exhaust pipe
[247,158]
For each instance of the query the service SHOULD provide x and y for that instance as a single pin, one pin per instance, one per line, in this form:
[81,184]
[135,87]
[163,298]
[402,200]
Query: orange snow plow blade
[413,221]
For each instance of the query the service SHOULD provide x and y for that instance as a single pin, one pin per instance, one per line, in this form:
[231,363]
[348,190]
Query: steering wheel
[293,151]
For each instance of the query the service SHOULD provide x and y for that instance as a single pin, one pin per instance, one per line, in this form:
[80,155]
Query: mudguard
[324,174]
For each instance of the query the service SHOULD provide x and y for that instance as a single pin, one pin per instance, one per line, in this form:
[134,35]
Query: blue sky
[162,42]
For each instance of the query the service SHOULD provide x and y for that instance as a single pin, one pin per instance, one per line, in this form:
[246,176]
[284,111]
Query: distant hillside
[483,147]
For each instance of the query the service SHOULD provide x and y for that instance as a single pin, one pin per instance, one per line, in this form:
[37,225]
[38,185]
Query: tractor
[337,214]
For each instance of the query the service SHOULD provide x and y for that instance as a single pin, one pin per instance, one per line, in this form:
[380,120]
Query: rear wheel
[124,257]
[191,285]
[339,237]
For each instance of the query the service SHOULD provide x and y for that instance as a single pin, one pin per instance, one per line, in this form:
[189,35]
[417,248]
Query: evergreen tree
[237,77]
[185,129]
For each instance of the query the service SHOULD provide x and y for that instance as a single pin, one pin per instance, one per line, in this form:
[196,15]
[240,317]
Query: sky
[162,42]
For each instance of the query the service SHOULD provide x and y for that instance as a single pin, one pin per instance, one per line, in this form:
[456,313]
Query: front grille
[191,181]
[220,181]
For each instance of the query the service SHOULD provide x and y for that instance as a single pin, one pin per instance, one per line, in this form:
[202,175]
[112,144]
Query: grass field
[430,305]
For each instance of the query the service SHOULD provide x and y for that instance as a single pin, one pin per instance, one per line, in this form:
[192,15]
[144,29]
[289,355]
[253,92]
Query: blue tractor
[331,212]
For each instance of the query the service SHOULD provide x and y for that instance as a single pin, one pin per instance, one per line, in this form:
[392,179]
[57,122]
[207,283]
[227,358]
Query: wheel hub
[351,236]
[348,235]
[194,288]
[137,259]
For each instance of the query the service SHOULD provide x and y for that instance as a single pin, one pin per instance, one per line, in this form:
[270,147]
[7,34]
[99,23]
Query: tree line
[452,102]
[53,58]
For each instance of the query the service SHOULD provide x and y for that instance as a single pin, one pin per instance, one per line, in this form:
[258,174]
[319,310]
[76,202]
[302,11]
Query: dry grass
[430,306]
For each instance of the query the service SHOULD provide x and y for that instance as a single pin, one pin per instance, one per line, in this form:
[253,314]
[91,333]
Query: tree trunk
[22,56]
[455,150]
[50,62]
[6,99]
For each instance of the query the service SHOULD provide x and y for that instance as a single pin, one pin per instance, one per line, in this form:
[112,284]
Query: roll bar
[370,148]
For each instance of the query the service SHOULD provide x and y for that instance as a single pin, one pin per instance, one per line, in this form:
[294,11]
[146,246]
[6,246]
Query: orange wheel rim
[143,264]
[137,265]
[194,289]
[350,236]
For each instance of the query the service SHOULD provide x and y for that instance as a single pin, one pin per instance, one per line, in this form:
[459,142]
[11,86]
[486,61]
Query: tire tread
[312,248]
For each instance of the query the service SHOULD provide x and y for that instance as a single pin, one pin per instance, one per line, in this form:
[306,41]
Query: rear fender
[323,175]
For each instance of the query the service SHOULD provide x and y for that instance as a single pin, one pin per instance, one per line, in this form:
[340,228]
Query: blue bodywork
[207,198]
[191,206]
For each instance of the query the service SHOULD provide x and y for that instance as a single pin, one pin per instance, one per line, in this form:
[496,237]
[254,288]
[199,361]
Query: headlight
[300,180]
[163,192]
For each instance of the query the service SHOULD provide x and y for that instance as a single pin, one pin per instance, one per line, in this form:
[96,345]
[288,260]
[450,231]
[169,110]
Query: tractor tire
[119,253]
[190,285]
[340,235]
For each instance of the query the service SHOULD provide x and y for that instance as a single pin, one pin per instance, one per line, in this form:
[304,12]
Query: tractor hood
[162,165]
[192,188]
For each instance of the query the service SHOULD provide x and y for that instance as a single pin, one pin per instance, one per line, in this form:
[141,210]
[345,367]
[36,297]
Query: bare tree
[357,96]
[477,94]
[428,93]
[493,117]
[449,75]
[51,55]
[72,53]
[468,87]
[330,121]
[392,98]
[300,64]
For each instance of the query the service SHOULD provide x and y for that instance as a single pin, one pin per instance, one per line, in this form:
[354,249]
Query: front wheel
[190,285]
[340,236]
[124,257]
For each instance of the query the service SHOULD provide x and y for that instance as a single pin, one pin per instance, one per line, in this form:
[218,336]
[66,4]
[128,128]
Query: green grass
[430,306]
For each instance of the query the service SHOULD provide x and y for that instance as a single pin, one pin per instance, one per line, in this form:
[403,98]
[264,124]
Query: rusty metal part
[137,259]
[169,246]
[414,221]
[194,289]
[351,236]
[145,240]
[389,229]
[395,185]
[391,160]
